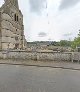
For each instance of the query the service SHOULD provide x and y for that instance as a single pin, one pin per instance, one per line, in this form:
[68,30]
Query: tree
[54,43]
[76,41]
[65,43]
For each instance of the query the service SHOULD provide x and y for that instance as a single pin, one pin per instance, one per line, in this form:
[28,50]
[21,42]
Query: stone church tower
[11,26]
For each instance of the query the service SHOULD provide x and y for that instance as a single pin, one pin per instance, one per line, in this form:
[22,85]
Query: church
[11,26]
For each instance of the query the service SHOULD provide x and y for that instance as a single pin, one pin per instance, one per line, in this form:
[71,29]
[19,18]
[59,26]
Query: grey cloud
[68,34]
[36,5]
[68,3]
[42,34]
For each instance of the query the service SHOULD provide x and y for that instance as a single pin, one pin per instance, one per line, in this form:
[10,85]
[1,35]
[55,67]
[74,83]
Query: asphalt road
[38,79]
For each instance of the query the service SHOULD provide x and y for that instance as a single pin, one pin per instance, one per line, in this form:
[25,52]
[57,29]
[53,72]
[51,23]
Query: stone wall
[54,56]
[76,56]
[39,56]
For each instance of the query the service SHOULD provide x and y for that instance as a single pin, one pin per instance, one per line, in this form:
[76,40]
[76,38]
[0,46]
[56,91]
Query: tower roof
[13,2]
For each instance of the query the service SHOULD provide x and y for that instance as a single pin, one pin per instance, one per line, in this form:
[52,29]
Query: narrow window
[15,17]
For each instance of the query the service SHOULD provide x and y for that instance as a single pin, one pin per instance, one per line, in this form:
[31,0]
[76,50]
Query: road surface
[14,78]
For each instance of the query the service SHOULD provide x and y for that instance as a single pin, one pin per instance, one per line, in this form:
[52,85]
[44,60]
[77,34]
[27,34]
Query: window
[15,17]
[16,38]
[16,46]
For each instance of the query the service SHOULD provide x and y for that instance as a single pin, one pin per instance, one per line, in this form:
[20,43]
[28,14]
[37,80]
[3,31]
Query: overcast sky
[59,19]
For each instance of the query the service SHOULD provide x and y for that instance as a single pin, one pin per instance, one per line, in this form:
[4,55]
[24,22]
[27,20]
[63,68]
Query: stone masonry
[11,26]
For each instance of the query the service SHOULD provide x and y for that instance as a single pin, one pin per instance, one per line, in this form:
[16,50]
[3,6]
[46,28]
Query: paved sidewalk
[52,64]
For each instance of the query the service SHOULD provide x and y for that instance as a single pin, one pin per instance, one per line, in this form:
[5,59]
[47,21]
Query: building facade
[11,26]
